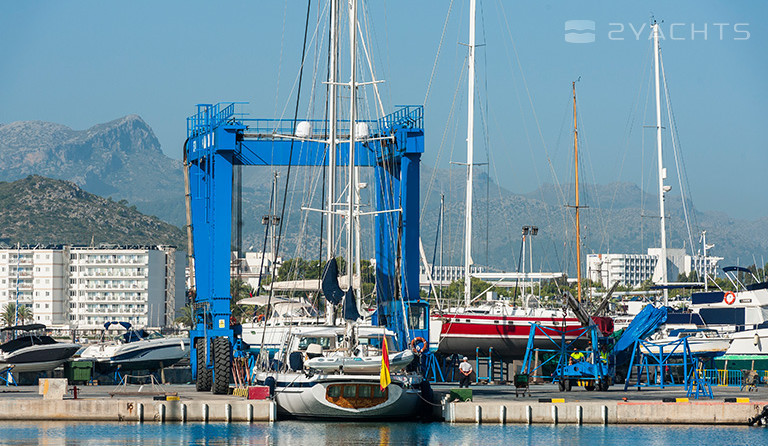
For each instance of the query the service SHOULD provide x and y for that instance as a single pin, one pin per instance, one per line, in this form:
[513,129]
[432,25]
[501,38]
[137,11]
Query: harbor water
[333,433]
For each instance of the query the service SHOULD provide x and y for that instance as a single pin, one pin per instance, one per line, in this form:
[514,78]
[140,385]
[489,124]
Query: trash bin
[78,371]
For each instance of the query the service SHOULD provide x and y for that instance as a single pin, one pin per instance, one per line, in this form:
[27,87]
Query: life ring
[415,342]
[731,295]
[259,318]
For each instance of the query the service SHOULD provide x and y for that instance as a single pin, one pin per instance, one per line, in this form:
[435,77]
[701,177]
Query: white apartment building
[446,275]
[36,276]
[634,269]
[83,287]
[251,264]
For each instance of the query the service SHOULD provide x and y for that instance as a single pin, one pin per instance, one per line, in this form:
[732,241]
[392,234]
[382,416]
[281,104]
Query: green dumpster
[78,371]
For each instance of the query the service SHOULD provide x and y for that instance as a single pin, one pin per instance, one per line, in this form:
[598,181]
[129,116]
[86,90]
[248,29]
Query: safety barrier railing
[722,378]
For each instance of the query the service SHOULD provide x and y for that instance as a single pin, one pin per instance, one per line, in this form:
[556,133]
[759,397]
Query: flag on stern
[384,378]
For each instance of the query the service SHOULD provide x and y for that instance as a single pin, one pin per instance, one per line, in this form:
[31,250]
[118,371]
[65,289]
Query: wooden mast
[578,225]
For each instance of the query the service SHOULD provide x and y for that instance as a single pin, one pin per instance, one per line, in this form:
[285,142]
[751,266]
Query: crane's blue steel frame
[562,349]
[658,357]
[218,138]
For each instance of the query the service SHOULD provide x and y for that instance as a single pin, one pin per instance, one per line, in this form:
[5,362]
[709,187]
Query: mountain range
[122,160]
[39,210]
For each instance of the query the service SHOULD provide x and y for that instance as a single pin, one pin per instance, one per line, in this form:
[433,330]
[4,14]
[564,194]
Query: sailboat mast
[662,172]
[470,156]
[333,118]
[333,123]
[352,118]
[578,223]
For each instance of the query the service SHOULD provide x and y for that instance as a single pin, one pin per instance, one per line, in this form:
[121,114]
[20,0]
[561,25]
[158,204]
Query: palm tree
[185,316]
[25,314]
[10,317]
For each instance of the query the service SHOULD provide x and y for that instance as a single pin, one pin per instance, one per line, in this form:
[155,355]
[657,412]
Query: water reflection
[294,433]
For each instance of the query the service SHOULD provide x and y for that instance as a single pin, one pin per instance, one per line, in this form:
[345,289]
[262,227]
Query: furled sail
[330,284]
[350,306]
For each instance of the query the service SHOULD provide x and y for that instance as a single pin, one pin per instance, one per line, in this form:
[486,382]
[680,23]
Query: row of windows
[101,320]
[109,258]
[108,283]
[101,272]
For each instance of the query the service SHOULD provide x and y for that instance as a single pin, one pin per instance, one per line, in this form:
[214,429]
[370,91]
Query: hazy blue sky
[85,62]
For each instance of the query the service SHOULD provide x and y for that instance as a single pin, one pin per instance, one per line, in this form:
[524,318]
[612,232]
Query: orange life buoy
[415,342]
[259,318]
[729,297]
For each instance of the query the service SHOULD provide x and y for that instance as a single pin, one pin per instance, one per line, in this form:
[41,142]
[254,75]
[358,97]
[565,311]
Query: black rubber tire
[590,387]
[203,382]
[561,385]
[567,385]
[222,366]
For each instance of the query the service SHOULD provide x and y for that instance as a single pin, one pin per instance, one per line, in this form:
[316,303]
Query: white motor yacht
[31,352]
[135,350]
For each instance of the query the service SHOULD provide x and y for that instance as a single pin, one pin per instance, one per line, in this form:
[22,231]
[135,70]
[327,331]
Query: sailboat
[505,328]
[338,372]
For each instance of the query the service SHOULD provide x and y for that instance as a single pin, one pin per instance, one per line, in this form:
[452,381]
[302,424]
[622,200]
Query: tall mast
[578,224]
[470,156]
[352,118]
[705,263]
[333,116]
[662,170]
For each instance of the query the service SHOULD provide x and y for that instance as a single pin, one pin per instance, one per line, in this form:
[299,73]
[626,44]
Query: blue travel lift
[592,372]
[218,138]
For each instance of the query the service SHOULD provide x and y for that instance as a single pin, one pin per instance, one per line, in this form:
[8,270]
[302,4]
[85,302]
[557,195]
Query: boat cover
[645,323]
[126,325]
[28,327]
[709,297]
[738,269]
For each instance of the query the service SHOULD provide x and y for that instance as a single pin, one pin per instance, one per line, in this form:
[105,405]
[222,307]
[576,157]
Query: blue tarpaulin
[645,323]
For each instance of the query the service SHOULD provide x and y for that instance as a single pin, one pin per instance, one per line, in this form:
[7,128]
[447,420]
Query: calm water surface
[291,433]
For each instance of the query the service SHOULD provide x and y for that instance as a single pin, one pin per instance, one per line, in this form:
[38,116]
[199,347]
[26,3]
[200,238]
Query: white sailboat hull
[300,396]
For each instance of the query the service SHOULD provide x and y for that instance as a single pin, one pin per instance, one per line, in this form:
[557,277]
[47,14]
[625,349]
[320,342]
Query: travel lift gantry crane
[219,138]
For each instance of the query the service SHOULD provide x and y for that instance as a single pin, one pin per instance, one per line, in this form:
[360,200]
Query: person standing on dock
[466,372]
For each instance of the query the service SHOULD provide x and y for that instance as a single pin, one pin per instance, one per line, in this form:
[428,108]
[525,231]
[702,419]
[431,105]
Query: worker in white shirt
[466,372]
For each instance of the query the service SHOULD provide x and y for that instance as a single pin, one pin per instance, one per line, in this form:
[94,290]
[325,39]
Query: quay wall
[602,412]
[138,410]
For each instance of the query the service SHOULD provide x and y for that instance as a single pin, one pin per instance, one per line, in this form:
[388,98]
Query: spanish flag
[384,378]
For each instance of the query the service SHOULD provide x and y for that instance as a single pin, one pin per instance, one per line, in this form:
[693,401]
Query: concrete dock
[133,404]
[491,404]
[547,405]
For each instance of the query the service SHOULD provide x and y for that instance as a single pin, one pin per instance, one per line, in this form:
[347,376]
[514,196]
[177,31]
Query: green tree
[185,316]
[455,291]
[239,290]
[9,315]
